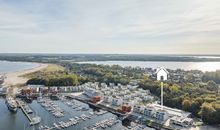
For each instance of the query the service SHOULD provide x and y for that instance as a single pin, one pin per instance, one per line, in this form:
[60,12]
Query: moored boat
[11,104]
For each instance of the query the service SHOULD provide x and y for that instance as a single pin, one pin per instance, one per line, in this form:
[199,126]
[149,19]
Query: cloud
[117,26]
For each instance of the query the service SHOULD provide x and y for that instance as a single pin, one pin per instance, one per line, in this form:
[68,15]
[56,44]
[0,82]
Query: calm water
[11,121]
[203,66]
[6,66]
[17,121]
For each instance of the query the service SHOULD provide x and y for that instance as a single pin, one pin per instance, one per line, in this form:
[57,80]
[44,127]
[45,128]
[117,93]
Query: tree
[212,86]
[195,108]
[174,88]
[58,80]
[208,113]
[186,105]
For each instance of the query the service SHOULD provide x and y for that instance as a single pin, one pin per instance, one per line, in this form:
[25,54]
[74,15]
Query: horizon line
[68,53]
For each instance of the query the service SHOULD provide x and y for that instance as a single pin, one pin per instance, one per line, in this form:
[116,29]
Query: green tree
[207,113]
[212,86]
[186,105]
[174,88]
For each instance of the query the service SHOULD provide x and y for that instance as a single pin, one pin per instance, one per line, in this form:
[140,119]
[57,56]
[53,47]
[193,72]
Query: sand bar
[14,78]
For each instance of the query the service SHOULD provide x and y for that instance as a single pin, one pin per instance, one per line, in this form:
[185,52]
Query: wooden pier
[23,110]
[31,119]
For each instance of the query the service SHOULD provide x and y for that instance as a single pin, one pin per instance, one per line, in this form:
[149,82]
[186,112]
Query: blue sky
[110,26]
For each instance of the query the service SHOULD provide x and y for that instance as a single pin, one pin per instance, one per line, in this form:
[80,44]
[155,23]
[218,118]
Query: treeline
[198,99]
[56,58]
[108,74]
[61,80]
[53,75]
[215,76]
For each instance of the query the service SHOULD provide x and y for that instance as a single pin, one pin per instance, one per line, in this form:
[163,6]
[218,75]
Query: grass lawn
[53,68]
[50,69]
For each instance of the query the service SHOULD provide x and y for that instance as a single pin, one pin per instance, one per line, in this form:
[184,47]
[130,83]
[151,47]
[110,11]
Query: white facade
[139,109]
[117,101]
[104,85]
[161,115]
[91,92]
[147,98]
[162,74]
[149,111]
[181,121]
[107,99]
[126,97]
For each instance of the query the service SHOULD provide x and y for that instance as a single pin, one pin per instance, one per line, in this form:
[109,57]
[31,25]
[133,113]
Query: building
[181,121]
[117,101]
[138,109]
[104,85]
[162,74]
[149,111]
[131,87]
[172,111]
[161,115]
[127,97]
[107,99]
[134,82]
[95,99]
[125,109]
[91,92]
[147,98]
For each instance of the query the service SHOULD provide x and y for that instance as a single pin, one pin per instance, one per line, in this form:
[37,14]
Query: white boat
[35,120]
[11,104]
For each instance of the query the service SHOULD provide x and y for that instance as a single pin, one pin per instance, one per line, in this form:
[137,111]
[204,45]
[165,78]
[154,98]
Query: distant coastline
[54,58]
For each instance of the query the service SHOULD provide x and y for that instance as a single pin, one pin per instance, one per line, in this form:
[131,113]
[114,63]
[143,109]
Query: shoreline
[15,78]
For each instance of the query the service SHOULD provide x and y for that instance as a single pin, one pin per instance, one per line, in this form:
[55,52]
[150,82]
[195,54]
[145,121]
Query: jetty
[32,119]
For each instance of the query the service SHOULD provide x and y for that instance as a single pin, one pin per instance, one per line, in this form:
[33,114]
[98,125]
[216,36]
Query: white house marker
[162,75]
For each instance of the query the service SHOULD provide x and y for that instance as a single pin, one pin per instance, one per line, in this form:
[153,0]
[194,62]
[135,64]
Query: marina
[72,118]
[51,107]
[103,124]
[85,115]
[34,119]
[105,108]
[76,120]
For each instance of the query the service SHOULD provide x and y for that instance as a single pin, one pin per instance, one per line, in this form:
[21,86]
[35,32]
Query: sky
[110,26]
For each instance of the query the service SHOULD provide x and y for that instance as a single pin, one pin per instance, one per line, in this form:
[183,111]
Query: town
[127,101]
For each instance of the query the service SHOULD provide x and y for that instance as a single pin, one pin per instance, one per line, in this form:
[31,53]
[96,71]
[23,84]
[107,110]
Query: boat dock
[33,120]
[100,106]
[77,120]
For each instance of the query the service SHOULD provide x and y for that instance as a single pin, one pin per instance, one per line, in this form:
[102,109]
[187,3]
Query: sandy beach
[14,78]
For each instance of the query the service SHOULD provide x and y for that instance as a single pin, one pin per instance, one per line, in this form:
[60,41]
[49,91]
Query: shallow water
[6,66]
